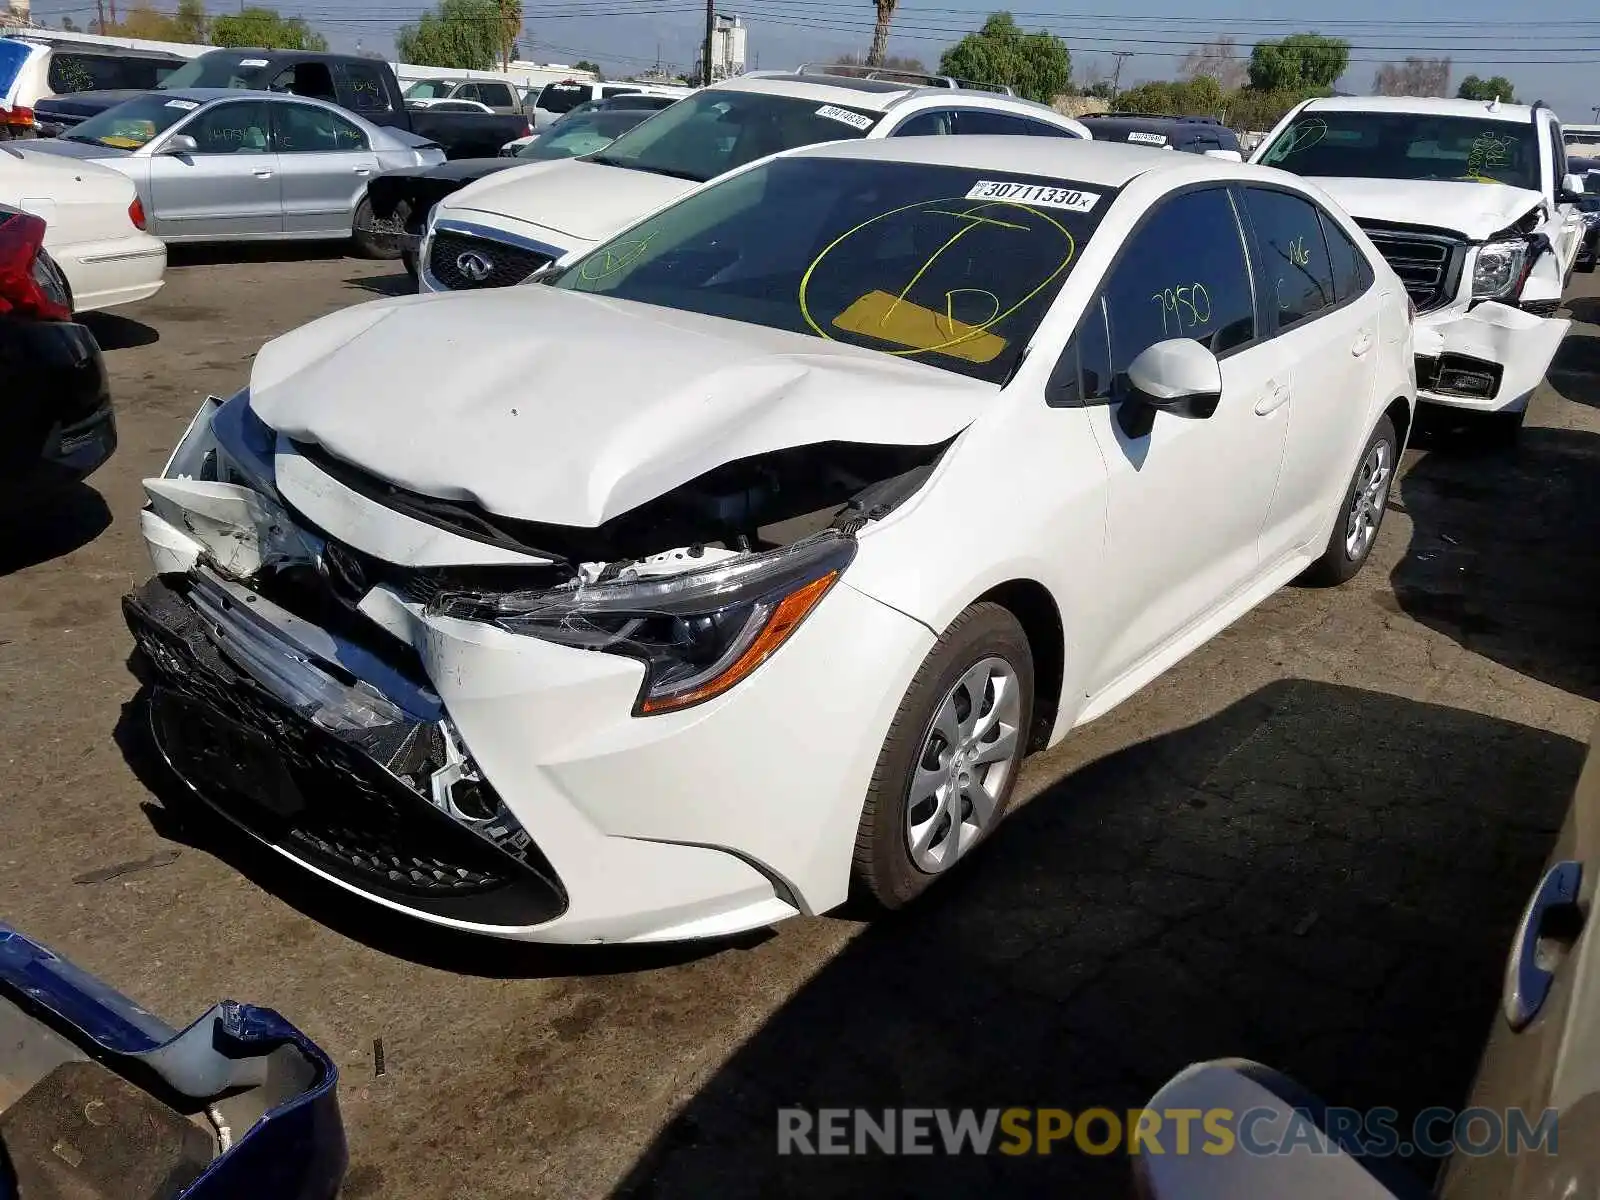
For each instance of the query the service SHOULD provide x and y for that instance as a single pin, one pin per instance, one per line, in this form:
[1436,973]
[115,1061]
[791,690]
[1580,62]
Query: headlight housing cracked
[698,633]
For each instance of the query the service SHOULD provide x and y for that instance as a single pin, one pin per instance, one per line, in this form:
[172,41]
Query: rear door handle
[1277,395]
[1363,343]
[262,173]
[362,170]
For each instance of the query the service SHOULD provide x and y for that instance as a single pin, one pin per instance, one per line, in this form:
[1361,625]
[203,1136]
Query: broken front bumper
[254,709]
[1487,359]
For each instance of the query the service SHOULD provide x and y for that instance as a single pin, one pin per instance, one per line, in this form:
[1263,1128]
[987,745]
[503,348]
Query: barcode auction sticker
[186,105]
[254,62]
[853,119]
[1148,139]
[1033,193]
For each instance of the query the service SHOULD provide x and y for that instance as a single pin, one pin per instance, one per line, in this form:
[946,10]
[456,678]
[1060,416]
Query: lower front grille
[1428,264]
[348,801]
[462,262]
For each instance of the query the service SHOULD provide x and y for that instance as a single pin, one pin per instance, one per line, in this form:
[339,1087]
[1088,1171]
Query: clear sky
[1551,52]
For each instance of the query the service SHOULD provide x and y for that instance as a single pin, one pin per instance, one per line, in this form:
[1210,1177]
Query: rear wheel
[947,769]
[1361,512]
[374,238]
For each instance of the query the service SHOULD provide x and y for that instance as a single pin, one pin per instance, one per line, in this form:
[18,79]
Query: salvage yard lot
[1307,844]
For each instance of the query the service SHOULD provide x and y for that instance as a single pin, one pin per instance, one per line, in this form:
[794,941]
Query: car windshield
[429,89]
[1395,145]
[216,70]
[713,131]
[950,266]
[132,123]
[582,134]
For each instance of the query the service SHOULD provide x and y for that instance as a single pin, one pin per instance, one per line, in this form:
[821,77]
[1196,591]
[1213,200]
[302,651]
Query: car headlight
[1499,269]
[698,632]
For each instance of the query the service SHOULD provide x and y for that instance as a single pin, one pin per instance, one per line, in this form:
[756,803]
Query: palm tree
[510,29]
[880,35]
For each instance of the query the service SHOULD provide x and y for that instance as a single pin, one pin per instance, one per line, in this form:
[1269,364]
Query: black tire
[1336,565]
[371,242]
[53,269]
[409,259]
[884,871]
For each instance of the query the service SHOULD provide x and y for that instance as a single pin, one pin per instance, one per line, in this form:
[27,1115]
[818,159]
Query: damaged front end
[1486,329]
[295,671]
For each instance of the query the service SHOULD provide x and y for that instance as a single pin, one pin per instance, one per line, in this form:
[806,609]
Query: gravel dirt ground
[1307,844]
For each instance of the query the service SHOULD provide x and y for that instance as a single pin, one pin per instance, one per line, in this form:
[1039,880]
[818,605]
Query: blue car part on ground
[100,1098]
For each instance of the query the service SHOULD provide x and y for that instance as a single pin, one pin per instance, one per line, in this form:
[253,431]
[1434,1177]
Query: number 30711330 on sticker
[1033,193]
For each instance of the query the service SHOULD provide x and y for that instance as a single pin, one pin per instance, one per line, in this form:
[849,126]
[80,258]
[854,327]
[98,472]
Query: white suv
[1472,205]
[500,229]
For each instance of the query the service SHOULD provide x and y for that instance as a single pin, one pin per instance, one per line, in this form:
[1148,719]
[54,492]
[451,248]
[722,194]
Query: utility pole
[711,19]
[100,17]
[1116,73]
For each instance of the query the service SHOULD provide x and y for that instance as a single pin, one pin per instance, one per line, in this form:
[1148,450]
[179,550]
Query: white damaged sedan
[739,561]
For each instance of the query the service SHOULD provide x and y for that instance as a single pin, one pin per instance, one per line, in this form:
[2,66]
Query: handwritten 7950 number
[1189,306]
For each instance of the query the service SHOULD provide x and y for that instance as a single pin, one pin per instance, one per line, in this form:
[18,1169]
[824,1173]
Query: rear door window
[365,88]
[977,121]
[496,95]
[1295,272]
[1352,273]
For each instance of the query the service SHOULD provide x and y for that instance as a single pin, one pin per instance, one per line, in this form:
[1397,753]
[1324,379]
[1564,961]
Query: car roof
[1434,106]
[879,95]
[1103,164]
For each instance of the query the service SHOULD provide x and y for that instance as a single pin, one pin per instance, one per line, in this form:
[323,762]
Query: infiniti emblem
[474,265]
[344,573]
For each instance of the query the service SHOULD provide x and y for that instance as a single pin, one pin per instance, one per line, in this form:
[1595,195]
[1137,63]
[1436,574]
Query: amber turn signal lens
[785,619]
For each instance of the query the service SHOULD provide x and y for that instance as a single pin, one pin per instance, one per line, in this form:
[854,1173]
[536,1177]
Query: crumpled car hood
[582,199]
[571,409]
[1474,210]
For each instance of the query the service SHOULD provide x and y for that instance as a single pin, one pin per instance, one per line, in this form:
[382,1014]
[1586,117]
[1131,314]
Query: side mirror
[1228,155]
[180,143]
[1571,189]
[1177,376]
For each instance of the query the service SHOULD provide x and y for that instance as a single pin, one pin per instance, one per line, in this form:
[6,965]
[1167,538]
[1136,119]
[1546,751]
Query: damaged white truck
[1472,205]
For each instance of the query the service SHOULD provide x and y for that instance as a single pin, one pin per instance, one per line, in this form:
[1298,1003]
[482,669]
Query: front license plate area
[214,748]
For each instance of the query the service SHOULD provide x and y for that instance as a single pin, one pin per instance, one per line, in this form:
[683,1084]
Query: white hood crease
[571,409]
[1474,210]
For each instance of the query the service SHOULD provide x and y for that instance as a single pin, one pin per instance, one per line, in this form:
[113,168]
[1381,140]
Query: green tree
[583,64]
[68,25]
[1497,88]
[462,34]
[1201,96]
[1301,60]
[1037,65]
[267,28]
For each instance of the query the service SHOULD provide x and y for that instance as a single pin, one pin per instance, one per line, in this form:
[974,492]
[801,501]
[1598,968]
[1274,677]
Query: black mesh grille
[461,262]
[1425,263]
[341,810]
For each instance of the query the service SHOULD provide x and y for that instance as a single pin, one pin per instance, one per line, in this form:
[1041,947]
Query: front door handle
[1277,395]
[262,173]
[1550,925]
[362,170]
[1362,344]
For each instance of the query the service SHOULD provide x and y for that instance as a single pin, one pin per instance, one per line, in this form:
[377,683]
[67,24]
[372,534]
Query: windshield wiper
[634,166]
[78,137]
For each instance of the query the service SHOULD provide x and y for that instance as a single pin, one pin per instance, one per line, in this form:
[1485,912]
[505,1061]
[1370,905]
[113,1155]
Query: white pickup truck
[1472,205]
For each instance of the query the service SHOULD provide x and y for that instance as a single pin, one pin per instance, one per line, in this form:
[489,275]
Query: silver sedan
[215,165]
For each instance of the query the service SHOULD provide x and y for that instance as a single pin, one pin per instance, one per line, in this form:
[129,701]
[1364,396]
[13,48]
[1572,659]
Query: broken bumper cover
[1487,359]
[325,769]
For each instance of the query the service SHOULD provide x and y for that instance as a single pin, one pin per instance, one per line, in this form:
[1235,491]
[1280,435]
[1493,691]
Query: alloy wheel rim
[969,752]
[1367,504]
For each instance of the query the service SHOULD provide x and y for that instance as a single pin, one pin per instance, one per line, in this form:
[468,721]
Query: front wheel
[374,238]
[1361,512]
[947,769]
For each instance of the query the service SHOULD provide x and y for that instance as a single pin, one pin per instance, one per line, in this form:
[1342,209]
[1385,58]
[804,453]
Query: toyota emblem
[474,265]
